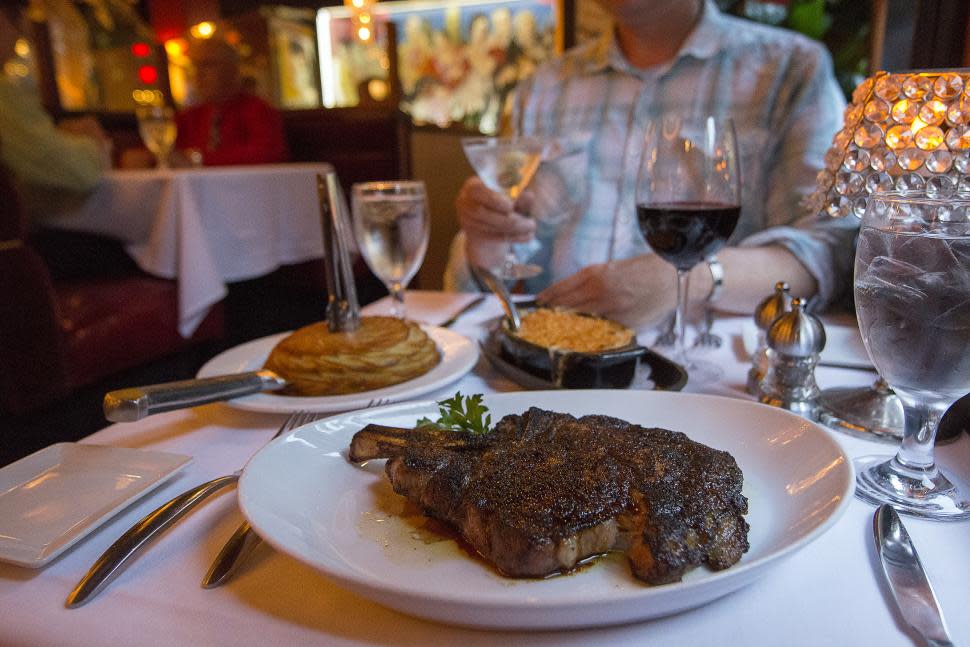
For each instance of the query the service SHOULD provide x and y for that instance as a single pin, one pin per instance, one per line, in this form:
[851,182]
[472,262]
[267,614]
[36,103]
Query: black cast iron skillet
[536,366]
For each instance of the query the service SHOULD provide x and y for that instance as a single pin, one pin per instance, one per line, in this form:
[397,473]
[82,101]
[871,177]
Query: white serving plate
[302,496]
[458,356]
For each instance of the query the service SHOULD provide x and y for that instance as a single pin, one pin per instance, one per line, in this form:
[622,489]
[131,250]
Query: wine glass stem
[509,261]
[397,299]
[919,433]
[680,314]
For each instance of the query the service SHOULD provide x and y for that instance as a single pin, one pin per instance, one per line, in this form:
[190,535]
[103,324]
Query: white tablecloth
[829,593]
[207,226]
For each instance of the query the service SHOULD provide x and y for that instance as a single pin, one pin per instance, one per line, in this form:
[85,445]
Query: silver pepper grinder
[795,340]
[764,315]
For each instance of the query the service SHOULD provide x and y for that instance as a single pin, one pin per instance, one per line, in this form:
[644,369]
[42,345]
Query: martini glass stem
[509,261]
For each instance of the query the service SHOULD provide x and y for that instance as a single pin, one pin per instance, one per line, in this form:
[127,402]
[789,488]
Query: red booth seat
[59,335]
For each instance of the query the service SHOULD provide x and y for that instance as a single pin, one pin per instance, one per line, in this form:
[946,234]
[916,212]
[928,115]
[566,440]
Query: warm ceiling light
[175,47]
[203,30]
[22,48]
[363,33]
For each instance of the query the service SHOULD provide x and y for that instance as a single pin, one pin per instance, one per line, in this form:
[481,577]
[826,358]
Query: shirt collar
[704,41]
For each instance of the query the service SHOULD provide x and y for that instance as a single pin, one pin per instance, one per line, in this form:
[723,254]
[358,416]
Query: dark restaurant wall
[236,7]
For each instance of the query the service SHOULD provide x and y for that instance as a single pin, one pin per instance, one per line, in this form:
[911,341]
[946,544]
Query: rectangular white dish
[54,497]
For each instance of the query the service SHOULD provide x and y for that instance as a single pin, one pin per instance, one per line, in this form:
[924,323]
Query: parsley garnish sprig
[461,413]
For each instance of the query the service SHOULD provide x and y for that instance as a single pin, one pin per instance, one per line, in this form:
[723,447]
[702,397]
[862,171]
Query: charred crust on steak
[543,491]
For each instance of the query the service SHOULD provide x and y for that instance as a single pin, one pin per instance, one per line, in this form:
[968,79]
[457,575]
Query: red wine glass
[688,198]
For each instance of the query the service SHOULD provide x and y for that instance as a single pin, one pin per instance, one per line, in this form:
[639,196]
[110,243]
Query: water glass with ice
[391,226]
[912,295]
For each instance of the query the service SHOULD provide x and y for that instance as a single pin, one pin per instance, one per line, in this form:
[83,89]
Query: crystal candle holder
[907,131]
[902,131]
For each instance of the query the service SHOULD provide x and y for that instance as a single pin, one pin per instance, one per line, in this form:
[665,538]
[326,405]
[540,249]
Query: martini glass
[912,296]
[506,165]
[688,199]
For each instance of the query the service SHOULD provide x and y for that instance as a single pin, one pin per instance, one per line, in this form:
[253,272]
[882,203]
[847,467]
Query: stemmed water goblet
[156,125]
[506,165]
[688,199]
[912,296]
[391,227]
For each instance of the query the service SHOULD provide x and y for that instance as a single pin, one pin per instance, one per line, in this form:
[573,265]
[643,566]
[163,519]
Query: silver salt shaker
[795,340]
[764,315]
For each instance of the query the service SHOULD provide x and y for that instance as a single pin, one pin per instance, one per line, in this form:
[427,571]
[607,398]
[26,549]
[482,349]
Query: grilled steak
[544,490]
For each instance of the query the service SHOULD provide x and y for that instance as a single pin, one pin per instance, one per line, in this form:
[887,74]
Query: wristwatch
[717,278]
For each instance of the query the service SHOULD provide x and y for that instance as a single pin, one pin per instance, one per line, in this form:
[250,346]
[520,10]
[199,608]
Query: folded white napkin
[427,306]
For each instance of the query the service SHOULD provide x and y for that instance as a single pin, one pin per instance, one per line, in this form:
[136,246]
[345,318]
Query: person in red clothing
[229,125]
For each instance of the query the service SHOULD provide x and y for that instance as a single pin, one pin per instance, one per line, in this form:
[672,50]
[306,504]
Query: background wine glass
[506,165]
[688,199]
[912,296]
[391,228]
[156,125]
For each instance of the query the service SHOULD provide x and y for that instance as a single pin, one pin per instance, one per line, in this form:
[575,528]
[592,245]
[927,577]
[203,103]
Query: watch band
[717,278]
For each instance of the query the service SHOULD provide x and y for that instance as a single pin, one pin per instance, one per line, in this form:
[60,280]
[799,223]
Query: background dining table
[831,592]
[206,227]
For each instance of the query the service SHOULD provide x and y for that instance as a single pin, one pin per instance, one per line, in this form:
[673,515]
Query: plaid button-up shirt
[776,85]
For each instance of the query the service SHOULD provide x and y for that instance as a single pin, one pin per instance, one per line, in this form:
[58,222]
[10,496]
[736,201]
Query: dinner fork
[123,550]
[243,541]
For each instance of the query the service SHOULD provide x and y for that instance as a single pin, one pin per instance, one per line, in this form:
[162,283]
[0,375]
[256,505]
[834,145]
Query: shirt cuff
[827,252]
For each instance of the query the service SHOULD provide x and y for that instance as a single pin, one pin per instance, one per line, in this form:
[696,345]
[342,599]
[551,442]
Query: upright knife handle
[128,405]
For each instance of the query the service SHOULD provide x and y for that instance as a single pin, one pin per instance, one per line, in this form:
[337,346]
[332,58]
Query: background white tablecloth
[829,593]
[207,226]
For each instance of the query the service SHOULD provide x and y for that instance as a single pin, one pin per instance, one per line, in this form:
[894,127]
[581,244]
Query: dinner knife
[128,405]
[907,579]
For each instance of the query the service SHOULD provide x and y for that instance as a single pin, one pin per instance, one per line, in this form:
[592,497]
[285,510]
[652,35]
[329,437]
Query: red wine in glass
[685,233]
[688,197]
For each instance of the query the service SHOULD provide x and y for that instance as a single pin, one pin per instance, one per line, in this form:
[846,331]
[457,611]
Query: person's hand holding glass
[688,199]
[392,228]
[156,125]
[506,165]
[912,297]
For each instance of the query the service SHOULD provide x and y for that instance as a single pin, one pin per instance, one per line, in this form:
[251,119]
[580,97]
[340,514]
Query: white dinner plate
[458,356]
[302,496]
[54,497]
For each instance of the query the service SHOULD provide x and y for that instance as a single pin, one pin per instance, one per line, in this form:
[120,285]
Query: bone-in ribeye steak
[544,490]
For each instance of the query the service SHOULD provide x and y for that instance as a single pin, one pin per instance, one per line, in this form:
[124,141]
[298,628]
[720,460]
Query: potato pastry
[565,330]
[382,352]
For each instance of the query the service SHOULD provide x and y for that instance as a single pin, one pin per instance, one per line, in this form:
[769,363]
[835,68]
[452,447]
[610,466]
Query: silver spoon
[498,287]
